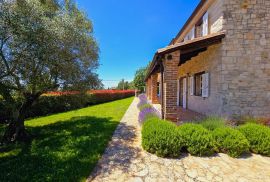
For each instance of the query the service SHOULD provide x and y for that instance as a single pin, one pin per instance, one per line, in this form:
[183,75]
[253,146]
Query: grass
[66,146]
[213,122]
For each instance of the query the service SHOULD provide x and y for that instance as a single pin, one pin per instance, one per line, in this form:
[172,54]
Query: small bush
[197,139]
[263,121]
[230,141]
[147,113]
[144,106]
[161,138]
[258,137]
[142,100]
[211,123]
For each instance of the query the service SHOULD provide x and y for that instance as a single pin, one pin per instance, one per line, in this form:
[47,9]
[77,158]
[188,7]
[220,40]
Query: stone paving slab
[124,160]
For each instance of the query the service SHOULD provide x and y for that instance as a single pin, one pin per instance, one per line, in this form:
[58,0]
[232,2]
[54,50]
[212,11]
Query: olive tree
[45,45]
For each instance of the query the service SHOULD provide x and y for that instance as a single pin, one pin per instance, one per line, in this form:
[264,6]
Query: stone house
[218,64]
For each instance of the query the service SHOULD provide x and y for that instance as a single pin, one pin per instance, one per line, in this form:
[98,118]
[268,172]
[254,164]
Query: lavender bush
[143,100]
[147,113]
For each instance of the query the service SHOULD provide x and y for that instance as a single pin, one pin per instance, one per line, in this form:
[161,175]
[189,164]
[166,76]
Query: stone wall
[245,73]
[208,61]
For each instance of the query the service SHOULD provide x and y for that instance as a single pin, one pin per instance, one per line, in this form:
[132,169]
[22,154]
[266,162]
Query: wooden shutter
[205,24]
[185,93]
[205,85]
[191,85]
[192,33]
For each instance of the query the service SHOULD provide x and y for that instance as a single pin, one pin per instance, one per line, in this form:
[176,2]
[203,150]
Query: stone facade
[238,67]
[208,61]
[245,72]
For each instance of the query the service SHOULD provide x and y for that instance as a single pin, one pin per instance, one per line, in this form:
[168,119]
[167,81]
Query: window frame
[200,74]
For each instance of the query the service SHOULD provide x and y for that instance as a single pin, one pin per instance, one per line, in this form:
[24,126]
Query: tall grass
[213,122]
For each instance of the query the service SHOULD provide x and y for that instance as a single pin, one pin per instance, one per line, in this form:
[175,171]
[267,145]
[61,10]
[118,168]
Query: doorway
[182,92]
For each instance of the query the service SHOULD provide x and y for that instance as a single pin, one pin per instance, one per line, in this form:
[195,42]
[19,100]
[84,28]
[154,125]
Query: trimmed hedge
[258,137]
[161,138]
[230,141]
[198,140]
[164,138]
[52,104]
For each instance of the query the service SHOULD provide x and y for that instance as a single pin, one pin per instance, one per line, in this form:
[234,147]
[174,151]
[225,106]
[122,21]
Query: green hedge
[166,139]
[230,141]
[197,139]
[258,137]
[161,138]
[55,104]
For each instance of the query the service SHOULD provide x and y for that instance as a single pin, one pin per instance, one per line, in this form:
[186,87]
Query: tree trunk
[16,131]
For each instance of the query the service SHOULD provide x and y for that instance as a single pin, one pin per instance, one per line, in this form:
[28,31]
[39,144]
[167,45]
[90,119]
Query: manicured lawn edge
[66,146]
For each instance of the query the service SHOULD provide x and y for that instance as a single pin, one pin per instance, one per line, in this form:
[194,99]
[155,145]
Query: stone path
[124,161]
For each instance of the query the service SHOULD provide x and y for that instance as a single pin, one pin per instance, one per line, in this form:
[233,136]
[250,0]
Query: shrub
[142,97]
[230,141]
[144,106]
[142,100]
[146,114]
[258,137]
[240,120]
[161,138]
[197,139]
[212,123]
[263,121]
[55,102]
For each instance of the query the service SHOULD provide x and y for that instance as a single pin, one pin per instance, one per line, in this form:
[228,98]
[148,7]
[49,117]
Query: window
[158,88]
[198,83]
[201,27]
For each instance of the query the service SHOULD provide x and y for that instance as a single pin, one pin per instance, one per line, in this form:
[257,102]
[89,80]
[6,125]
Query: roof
[188,47]
[189,43]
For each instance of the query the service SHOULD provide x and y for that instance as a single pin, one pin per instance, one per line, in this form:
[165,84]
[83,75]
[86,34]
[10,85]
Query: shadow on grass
[120,153]
[64,151]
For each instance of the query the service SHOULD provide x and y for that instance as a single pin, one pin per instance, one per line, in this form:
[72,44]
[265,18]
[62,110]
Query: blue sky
[130,31]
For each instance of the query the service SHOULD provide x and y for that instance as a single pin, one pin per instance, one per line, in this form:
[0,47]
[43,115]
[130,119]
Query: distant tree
[138,81]
[45,45]
[123,85]
[131,85]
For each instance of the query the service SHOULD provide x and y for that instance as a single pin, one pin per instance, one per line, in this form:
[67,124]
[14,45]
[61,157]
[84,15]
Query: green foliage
[212,123]
[161,138]
[258,137]
[198,140]
[144,106]
[249,119]
[67,146]
[139,79]
[47,105]
[230,141]
[45,45]
[124,85]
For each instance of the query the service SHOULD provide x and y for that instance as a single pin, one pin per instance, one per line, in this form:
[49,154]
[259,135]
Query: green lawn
[66,146]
